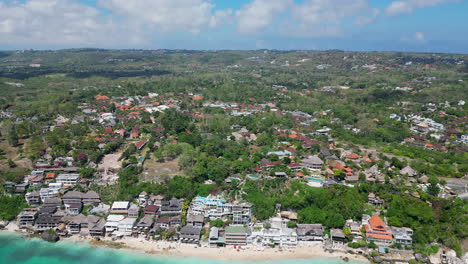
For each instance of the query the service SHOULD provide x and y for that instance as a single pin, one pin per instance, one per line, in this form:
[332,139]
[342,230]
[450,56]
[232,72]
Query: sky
[355,25]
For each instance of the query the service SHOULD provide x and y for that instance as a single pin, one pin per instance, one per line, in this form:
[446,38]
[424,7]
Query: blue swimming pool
[314,179]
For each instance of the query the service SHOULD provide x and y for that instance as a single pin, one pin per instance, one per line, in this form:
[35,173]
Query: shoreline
[181,250]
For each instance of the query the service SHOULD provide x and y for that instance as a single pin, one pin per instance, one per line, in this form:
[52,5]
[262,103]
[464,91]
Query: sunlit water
[16,249]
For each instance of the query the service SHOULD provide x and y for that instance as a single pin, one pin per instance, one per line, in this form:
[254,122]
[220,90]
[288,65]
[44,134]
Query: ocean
[16,249]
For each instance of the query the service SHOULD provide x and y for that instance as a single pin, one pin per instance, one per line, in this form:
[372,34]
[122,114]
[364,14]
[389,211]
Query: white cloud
[408,6]
[415,38]
[419,36]
[319,11]
[57,22]
[318,18]
[311,18]
[259,14]
[167,15]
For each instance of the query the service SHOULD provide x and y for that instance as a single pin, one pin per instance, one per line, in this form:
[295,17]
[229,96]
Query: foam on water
[16,249]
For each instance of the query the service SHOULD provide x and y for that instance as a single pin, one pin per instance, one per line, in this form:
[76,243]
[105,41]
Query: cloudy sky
[404,25]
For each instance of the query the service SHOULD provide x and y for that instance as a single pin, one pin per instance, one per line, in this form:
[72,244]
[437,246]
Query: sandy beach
[246,253]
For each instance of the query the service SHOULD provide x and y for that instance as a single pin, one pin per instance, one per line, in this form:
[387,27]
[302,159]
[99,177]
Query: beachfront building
[113,222]
[189,234]
[376,230]
[98,229]
[215,207]
[236,235]
[310,232]
[47,222]
[215,238]
[145,224]
[277,234]
[337,235]
[27,217]
[125,227]
[80,224]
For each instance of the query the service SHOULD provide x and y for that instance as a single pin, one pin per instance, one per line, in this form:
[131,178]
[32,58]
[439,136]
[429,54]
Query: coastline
[181,250]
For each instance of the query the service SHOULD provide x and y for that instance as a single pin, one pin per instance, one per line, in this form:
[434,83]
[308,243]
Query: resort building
[113,222]
[215,207]
[46,222]
[337,235]
[376,230]
[145,224]
[27,217]
[312,163]
[68,179]
[172,206]
[119,208]
[189,234]
[215,238]
[310,232]
[236,235]
[277,234]
[402,235]
[33,198]
[125,227]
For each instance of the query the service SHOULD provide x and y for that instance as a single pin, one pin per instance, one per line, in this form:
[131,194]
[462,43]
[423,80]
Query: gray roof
[91,195]
[312,160]
[337,233]
[214,233]
[408,171]
[146,221]
[190,230]
[72,194]
[309,229]
[195,218]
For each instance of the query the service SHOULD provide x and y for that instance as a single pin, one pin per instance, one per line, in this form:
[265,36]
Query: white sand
[249,253]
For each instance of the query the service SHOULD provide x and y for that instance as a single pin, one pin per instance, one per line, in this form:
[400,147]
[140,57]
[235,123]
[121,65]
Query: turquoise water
[15,249]
[314,179]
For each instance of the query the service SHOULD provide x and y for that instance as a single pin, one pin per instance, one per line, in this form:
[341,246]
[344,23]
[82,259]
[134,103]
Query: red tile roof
[376,223]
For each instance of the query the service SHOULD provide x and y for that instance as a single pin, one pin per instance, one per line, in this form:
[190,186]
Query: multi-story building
[47,222]
[310,232]
[214,207]
[312,163]
[172,206]
[120,207]
[402,235]
[236,235]
[68,179]
[377,230]
[46,193]
[277,234]
[33,198]
[27,217]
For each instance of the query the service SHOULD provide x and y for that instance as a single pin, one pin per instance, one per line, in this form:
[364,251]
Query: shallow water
[16,249]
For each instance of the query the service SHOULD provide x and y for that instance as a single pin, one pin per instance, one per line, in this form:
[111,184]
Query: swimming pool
[314,179]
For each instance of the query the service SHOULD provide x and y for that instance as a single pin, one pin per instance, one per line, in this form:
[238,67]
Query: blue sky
[403,25]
